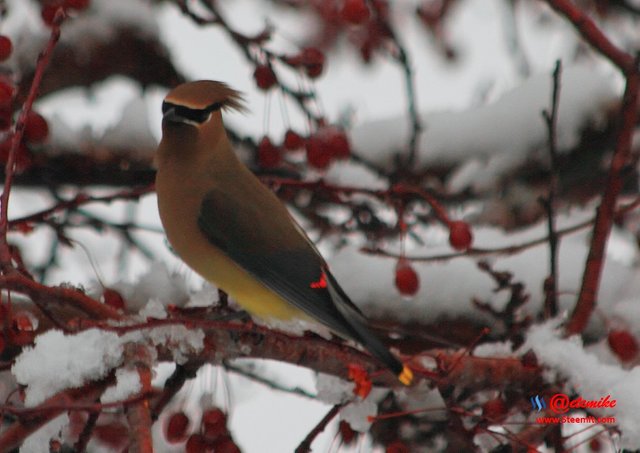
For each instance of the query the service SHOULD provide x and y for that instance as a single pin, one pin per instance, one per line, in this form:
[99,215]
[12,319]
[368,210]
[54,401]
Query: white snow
[206,296]
[58,361]
[358,411]
[498,136]
[295,327]
[156,283]
[132,133]
[38,442]
[153,309]
[333,390]
[127,385]
[182,342]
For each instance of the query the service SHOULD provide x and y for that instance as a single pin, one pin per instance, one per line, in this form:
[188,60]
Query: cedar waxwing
[233,231]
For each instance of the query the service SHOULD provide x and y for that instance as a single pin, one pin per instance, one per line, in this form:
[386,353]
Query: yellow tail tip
[406,375]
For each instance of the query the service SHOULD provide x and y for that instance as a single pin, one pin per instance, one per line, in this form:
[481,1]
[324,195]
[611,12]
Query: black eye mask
[193,115]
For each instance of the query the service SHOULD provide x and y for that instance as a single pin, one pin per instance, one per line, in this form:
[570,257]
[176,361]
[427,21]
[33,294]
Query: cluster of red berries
[213,435]
[36,127]
[51,7]
[337,13]
[310,60]
[365,22]
[324,146]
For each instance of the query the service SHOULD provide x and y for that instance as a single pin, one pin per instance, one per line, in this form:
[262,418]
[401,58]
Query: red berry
[113,298]
[6,47]
[214,424]
[197,444]
[460,236]
[115,435]
[23,159]
[78,5]
[397,447]
[495,409]
[623,344]
[23,327]
[407,280]
[7,91]
[225,445]
[292,140]
[55,446]
[176,427]
[24,227]
[318,156]
[36,129]
[265,77]
[529,359]
[6,118]
[313,61]
[355,11]
[339,143]
[49,11]
[346,432]
[269,155]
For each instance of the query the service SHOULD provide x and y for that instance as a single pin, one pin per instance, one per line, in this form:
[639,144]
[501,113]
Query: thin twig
[402,57]
[174,384]
[305,445]
[551,120]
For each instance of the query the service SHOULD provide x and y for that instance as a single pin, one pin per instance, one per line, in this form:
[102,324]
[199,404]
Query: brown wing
[280,256]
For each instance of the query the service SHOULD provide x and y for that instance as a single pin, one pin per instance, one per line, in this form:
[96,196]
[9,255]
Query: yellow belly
[252,295]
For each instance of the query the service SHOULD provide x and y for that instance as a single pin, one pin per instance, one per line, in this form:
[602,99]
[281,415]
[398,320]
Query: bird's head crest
[193,102]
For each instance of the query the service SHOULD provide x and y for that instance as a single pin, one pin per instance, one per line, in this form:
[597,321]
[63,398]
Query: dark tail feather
[370,341]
